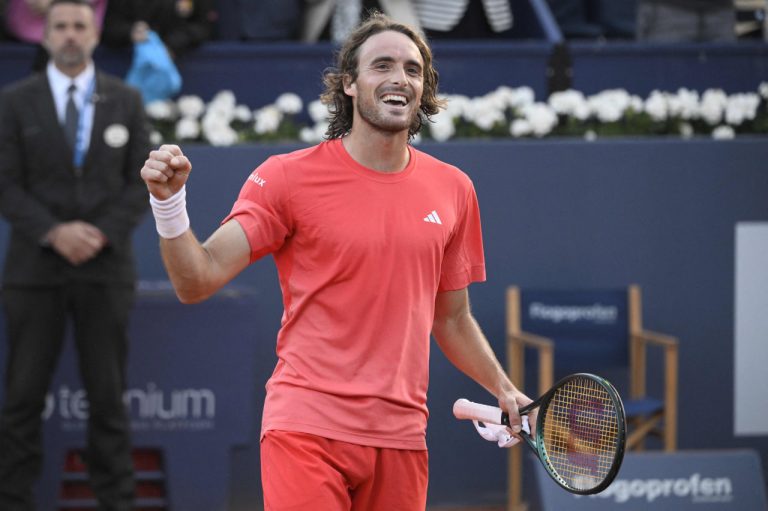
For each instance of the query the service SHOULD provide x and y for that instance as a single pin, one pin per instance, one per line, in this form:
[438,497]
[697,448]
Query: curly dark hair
[340,105]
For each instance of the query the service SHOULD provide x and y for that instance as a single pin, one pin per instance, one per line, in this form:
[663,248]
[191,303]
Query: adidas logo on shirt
[433,218]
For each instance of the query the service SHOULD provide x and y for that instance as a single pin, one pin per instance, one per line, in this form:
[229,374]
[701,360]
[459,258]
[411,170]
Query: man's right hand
[76,241]
[166,171]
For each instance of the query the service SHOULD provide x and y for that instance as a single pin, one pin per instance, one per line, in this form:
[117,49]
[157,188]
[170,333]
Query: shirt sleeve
[464,260]
[262,208]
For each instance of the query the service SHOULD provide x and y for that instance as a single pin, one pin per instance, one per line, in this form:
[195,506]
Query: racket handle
[466,409]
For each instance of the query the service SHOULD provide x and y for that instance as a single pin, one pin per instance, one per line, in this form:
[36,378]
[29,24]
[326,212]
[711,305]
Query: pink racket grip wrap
[465,409]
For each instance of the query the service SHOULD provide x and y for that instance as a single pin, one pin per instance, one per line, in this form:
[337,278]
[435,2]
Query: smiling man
[375,244]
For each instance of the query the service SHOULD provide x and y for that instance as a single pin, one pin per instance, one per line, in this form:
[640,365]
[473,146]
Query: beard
[70,57]
[377,116]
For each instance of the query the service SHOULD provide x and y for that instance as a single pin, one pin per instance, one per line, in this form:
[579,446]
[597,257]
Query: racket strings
[581,433]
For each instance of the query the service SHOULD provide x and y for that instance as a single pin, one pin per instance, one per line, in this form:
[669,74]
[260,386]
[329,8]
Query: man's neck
[71,71]
[377,150]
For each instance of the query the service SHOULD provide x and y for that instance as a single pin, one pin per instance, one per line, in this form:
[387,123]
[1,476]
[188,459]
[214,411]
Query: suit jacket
[40,187]
[317,14]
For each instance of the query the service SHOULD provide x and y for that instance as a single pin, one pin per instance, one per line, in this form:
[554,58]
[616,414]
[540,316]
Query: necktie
[71,117]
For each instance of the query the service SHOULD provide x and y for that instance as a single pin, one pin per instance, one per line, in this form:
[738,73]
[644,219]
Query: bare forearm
[186,262]
[198,270]
[463,343]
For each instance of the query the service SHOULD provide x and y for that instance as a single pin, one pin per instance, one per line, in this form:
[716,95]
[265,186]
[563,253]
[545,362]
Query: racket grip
[466,409]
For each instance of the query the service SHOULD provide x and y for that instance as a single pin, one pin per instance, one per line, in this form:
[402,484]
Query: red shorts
[307,472]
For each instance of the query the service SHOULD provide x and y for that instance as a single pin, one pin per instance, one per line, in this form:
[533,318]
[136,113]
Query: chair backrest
[590,329]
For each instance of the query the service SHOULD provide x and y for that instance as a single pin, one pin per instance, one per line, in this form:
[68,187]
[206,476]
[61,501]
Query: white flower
[190,106]
[541,117]
[684,104]
[456,104]
[520,128]
[223,105]
[521,97]
[187,129]
[763,90]
[484,113]
[636,104]
[442,127]
[314,134]
[723,132]
[243,113]
[217,131]
[501,98]
[289,103]
[740,108]
[155,138]
[712,107]
[318,111]
[571,103]
[160,110]
[267,119]
[656,106]
[609,105]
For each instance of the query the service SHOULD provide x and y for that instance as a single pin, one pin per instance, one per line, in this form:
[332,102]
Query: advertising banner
[680,481]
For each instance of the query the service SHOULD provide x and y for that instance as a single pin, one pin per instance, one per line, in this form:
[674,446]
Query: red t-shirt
[361,256]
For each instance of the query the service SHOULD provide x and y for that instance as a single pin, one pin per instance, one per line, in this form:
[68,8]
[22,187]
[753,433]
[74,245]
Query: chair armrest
[545,348]
[656,338]
[532,340]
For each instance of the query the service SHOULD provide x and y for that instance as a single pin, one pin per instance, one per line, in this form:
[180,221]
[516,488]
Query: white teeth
[394,97]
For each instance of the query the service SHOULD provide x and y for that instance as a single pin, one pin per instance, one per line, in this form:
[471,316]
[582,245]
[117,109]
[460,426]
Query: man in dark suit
[71,141]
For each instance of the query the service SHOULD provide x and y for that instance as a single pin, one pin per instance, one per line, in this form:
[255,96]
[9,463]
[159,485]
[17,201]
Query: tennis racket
[580,431]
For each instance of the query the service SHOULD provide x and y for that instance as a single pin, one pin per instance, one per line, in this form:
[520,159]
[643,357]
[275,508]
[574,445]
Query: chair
[598,331]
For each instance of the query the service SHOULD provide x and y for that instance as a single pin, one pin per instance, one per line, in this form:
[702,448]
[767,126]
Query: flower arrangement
[503,113]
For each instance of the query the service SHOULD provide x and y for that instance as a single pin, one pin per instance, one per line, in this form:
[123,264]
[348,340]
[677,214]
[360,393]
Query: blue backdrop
[660,213]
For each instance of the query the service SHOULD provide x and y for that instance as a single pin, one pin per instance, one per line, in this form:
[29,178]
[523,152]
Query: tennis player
[375,244]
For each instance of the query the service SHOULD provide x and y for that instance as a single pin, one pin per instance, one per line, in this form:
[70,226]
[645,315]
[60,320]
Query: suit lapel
[46,113]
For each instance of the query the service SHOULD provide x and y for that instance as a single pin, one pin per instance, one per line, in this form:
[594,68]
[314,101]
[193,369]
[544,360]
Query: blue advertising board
[190,397]
[679,481]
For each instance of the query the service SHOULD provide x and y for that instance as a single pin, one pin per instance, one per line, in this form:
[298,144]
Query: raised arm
[197,270]
[464,344]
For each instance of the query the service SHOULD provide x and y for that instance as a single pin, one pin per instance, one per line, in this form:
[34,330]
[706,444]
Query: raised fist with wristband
[166,172]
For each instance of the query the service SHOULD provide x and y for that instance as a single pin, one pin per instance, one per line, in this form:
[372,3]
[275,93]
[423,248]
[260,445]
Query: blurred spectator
[335,19]
[590,19]
[262,20]
[465,19]
[3,29]
[181,24]
[672,21]
[573,18]
[25,22]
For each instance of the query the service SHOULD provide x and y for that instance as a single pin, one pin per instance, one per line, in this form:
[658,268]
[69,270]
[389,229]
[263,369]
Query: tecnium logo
[595,313]
[149,408]
[695,488]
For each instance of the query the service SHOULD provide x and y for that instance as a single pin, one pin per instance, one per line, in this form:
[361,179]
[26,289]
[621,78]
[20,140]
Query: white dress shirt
[85,83]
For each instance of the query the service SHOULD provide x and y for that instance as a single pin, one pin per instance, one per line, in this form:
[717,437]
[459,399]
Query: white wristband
[171,219]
